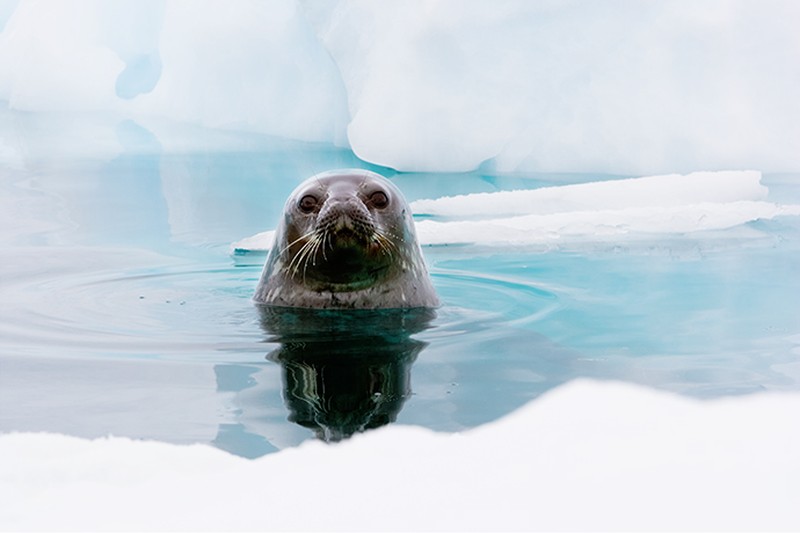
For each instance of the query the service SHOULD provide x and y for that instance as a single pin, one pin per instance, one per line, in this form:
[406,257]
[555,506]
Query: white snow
[589,212]
[446,85]
[247,65]
[599,225]
[652,191]
[260,242]
[588,455]
[51,57]
[437,85]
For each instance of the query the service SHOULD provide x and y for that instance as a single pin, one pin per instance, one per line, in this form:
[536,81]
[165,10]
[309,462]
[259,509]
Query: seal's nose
[343,222]
[345,216]
[339,211]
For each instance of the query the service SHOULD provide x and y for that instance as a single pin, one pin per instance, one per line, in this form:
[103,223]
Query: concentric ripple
[159,312]
[204,311]
[478,302]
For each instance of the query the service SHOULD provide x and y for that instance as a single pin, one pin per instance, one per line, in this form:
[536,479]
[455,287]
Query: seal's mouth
[348,238]
[345,250]
[342,255]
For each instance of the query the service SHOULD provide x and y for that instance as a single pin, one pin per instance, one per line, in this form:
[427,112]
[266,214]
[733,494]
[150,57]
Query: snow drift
[586,456]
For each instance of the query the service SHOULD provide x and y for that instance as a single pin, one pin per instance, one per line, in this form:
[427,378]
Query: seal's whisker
[304,262]
[386,244]
[390,235]
[326,237]
[294,264]
[385,248]
[311,253]
[317,242]
[300,238]
[298,254]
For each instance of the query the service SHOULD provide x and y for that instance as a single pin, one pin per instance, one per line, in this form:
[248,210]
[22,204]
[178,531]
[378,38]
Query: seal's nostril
[343,222]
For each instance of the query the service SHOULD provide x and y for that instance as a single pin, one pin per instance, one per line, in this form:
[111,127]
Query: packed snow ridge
[588,455]
[589,212]
[420,85]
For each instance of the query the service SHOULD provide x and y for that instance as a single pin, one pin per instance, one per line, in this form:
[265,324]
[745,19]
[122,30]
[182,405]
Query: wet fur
[347,253]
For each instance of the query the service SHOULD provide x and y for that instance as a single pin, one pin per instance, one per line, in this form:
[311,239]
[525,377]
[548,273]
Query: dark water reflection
[345,372]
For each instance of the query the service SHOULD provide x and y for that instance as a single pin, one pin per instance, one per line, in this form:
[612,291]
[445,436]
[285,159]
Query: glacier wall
[614,86]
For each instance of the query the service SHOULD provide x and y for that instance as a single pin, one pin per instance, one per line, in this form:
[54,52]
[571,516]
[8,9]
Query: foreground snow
[588,455]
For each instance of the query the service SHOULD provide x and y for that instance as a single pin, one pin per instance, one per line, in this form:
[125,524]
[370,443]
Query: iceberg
[613,86]
[244,66]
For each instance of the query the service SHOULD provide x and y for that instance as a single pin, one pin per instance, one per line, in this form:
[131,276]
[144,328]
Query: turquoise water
[123,311]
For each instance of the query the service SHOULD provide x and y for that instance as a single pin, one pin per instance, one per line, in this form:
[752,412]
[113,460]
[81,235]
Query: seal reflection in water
[345,372]
[346,241]
[343,289]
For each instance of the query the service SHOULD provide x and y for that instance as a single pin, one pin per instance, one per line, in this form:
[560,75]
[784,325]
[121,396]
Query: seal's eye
[307,203]
[379,199]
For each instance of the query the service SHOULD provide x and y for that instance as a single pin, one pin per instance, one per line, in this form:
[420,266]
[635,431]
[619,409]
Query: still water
[123,312]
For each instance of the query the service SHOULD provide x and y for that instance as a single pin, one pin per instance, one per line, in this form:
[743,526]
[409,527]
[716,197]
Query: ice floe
[588,212]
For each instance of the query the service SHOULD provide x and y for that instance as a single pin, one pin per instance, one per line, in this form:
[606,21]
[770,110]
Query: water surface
[123,311]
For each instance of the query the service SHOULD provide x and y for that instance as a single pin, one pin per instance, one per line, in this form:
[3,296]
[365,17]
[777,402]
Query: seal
[346,241]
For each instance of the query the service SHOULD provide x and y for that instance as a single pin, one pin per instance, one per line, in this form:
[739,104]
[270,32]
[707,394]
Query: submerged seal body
[346,241]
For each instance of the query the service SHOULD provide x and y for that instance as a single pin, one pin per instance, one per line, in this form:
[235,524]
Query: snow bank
[588,212]
[588,455]
[610,86]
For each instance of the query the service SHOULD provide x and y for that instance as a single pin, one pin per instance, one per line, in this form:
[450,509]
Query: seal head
[346,240]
